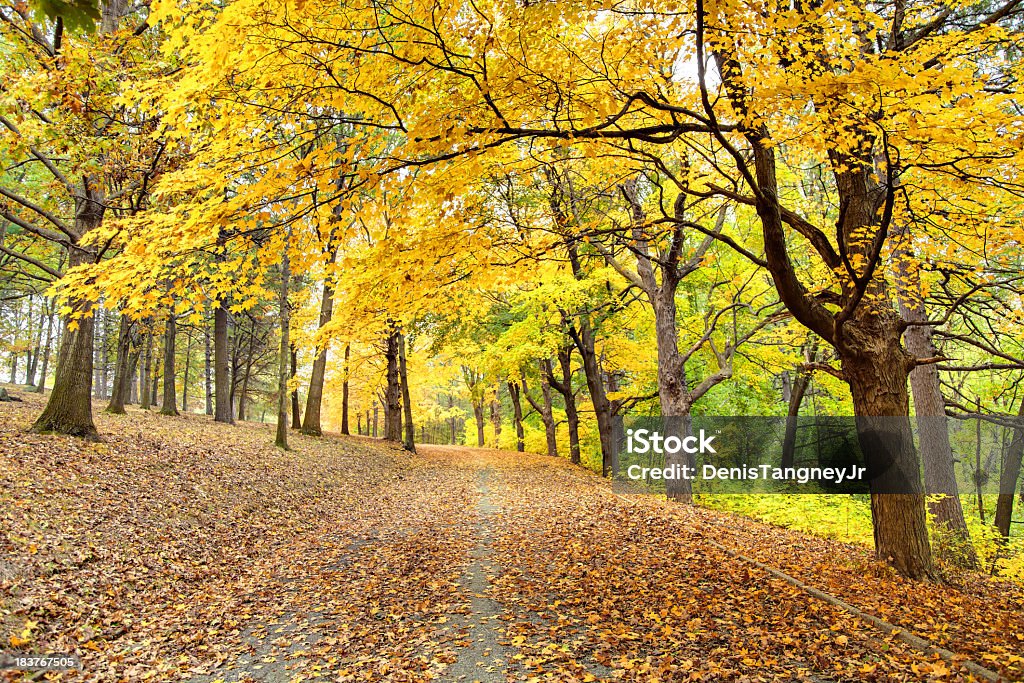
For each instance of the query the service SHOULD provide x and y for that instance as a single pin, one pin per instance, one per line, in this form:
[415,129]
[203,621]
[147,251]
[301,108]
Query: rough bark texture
[517,416]
[878,383]
[409,442]
[393,391]
[69,408]
[221,366]
[311,420]
[1009,473]
[170,398]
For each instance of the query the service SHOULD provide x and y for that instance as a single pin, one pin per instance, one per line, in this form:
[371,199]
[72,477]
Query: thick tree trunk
[393,391]
[284,353]
[122,367]
[410,431]
[311,420]
[344,392]
[517,416]
[170,398]
[222,388]
[296,411]
[1009,473]
[69,408]
[878,382]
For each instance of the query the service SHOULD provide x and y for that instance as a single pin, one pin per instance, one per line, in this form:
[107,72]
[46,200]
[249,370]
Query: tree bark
[496,416]
[1009,473]
[69,408]
[122,367]
[296,411]
[393,391]
[410,431]
[517,416]
[208,370]
[311,420]
[569,398]
[284,354]
[170,398]
[41,387]
[796,398]
[145,388]
[878,383]
[930,407]
[344,393]
[184,378]
[222,388]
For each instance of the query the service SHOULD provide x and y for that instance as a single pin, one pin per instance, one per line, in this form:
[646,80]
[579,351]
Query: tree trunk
[569,397]
[410,431]
[344,392]
[208,370]
[122,367]
[517,415]
[145,388]
[296,411]
[170,398]
[311,420]
[796,398]
[375,418]
[545,409]
[47,349]
[1009,473]
[478,415]
[184,378]
[930,406]
[496,416]
[284,355]
[222,388]
[69,408]
[155,381]
[878,383]
[393,392]
[36,335]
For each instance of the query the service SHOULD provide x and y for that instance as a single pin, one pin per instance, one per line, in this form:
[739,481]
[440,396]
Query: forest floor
[182,549]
